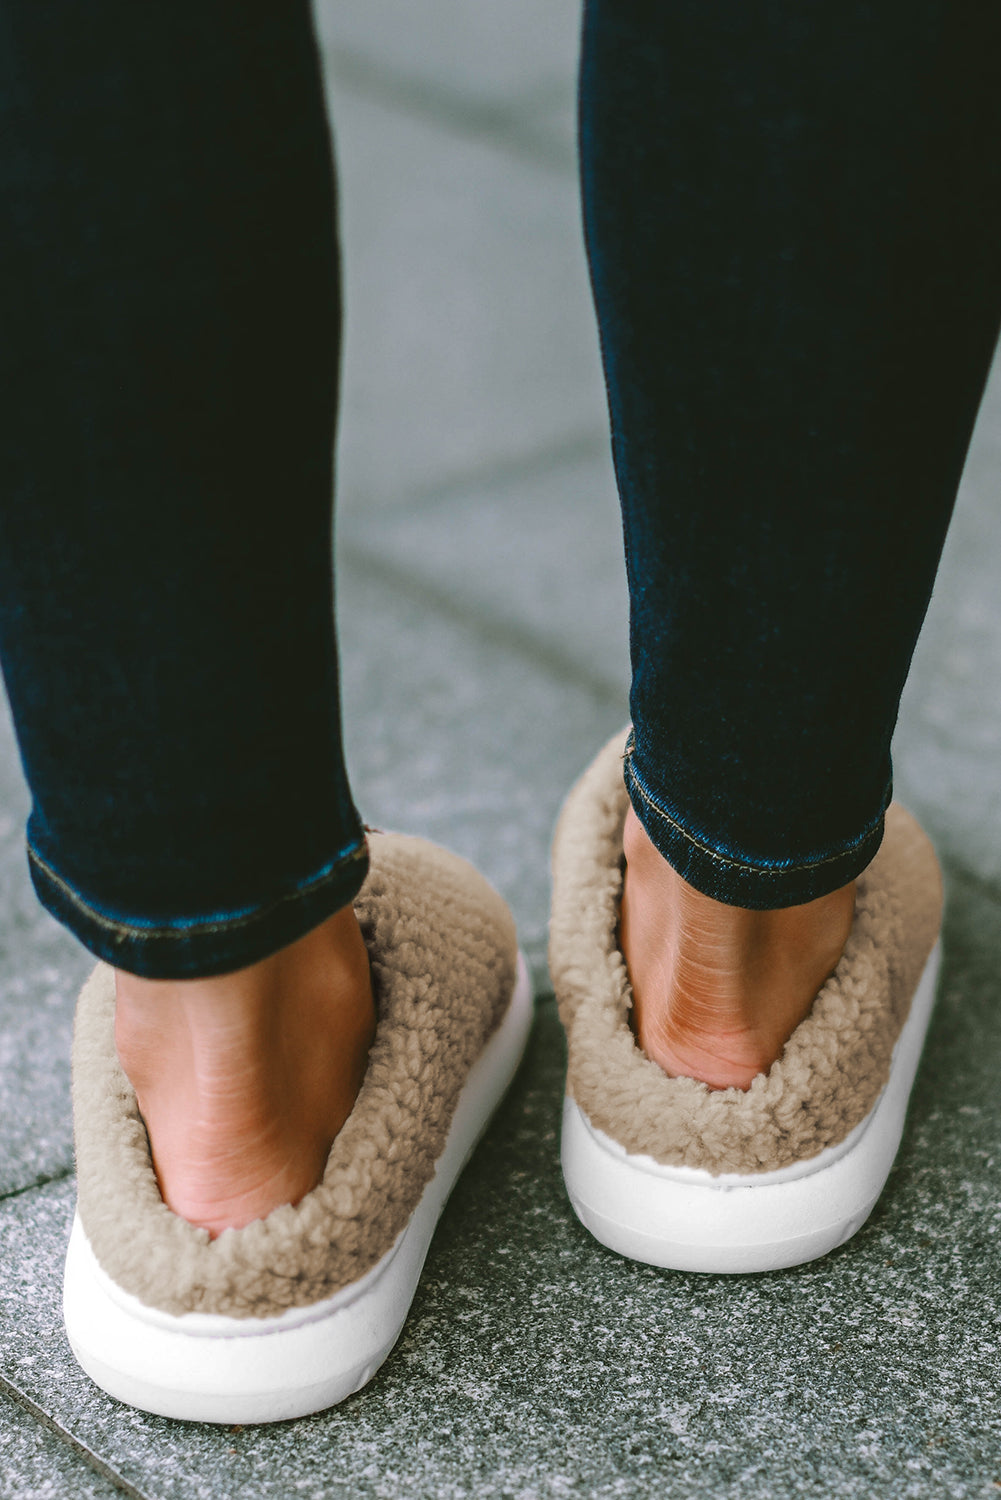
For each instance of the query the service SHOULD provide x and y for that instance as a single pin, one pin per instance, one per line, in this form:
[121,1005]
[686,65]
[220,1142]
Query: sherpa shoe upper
[834,1065]
[443,952]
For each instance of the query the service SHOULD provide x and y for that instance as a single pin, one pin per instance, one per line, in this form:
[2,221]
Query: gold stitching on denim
[196,929]
[724,859]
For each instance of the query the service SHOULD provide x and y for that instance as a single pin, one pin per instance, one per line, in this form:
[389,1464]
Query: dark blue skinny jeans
[793,217]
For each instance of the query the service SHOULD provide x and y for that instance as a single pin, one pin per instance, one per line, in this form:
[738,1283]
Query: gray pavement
[484,640]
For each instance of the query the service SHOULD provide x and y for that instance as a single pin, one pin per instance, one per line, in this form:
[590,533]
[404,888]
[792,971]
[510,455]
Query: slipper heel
[291,1314]
[673,1173]
[688,1220]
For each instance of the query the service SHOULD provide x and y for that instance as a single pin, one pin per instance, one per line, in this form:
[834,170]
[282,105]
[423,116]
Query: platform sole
[205,1368]
[688,1220]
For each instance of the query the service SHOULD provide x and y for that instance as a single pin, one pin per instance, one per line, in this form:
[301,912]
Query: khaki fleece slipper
[292,1313]
[668,1171]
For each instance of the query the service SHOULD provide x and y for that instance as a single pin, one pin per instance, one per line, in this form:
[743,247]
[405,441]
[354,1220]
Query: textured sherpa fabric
[835,1063]
[443,953]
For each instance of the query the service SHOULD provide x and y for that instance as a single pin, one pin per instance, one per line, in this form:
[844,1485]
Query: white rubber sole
[206,1368]
[688,1220]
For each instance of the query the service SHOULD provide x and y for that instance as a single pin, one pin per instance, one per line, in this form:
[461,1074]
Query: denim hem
[738,880]
[192,947]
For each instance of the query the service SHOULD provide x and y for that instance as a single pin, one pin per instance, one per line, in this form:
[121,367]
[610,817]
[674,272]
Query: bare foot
[244,1080]
[718,990]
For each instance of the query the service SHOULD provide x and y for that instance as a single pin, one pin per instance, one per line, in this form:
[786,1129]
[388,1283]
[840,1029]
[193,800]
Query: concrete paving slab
[464,734]
[539,128]
[539,554]
[36,1464]
[469,339]
[500,54]
[41,968]
[536,1364]
[947,753]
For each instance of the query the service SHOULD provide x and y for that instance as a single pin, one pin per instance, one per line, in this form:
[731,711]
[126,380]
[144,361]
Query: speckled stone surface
[462,736]
[469,337]
[36,1464]
[947,751]
[41,967]
[535,1363]
[498,553]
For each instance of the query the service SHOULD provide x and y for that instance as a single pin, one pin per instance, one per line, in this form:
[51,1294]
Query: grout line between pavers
[495,630]
[497,124]
[548,458]
[40,1182]
[89,1457]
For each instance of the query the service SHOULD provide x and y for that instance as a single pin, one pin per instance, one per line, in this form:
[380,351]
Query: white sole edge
[687,1220]
[242,1370]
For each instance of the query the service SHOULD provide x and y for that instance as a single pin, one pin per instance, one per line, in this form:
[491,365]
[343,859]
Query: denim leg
[793,218]
[169,284]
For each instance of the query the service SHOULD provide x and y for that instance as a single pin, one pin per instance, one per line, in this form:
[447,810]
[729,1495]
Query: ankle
[718,990]
[244,1079]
